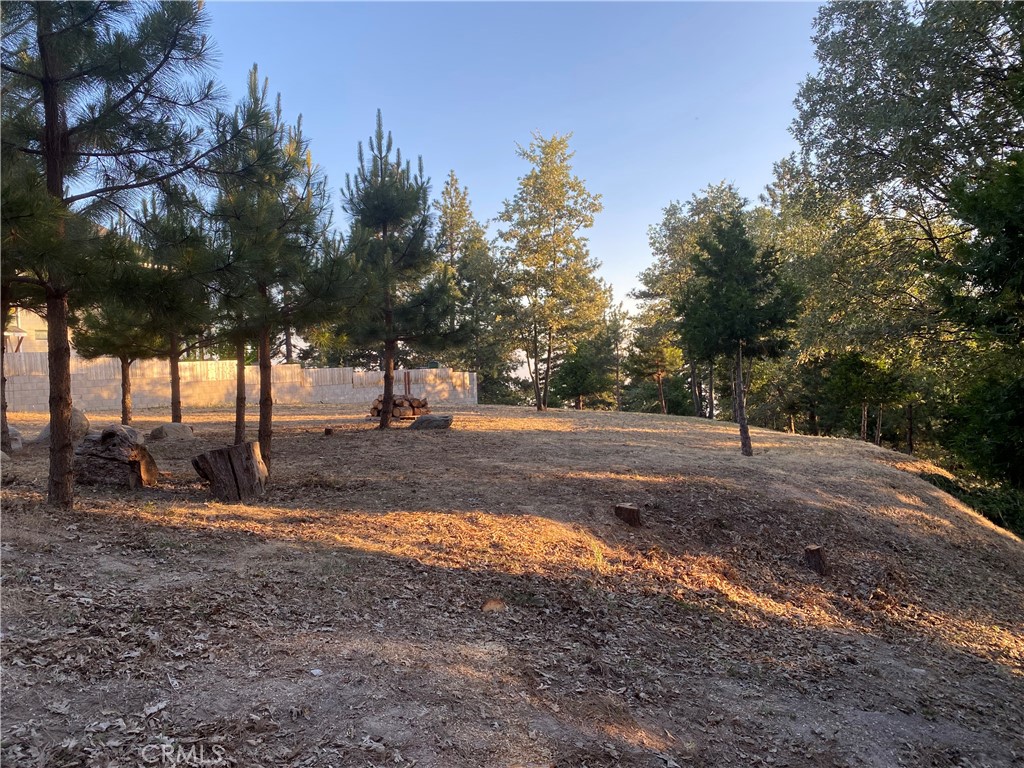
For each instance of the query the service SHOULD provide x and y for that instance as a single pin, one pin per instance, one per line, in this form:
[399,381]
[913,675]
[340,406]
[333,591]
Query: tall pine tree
[104,99]
[406,301]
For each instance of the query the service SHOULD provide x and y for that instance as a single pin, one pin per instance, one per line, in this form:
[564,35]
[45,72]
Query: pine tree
[175,245]
[121,325]
[736,302]
[483,298]
[272,213]
[405,299]
[554,279]
[108,96]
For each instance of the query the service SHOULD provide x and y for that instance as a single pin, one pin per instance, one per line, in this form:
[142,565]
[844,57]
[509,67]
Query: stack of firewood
[402,407]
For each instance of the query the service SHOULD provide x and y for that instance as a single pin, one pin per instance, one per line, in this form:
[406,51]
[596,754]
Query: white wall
[96,384]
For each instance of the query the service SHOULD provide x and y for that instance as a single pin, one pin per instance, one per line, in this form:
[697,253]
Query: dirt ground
[468,598]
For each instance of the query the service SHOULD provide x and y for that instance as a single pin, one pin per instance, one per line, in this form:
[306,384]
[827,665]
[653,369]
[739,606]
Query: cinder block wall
[96,384]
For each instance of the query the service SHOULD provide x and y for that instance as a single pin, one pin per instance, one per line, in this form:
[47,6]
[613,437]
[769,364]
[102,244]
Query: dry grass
[698,639]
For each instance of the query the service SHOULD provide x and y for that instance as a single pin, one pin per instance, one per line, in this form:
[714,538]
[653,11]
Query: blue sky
[662,98]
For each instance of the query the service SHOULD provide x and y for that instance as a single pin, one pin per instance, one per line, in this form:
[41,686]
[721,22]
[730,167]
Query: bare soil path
[468,598]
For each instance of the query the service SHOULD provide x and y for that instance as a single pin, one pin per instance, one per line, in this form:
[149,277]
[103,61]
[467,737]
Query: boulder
[172,431]
[432,421]
[16,442]
[79,428]
[114,457]
[135,435]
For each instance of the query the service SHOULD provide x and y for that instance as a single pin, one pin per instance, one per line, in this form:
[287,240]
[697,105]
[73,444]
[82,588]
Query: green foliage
[483,305]
[984,425]
[737,296]
[909,97]
[1003,506]
[982,285]
[585,377]
[406,300]
[561,300]
[643,396]
[654,355]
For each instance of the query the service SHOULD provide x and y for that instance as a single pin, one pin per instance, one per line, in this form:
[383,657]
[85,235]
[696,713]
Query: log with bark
[235,473]
[402,407]
[115,456]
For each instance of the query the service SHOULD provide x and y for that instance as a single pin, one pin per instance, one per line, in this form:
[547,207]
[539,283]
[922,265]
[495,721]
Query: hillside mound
[468,598]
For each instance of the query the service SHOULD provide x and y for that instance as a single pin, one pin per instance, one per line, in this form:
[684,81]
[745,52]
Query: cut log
[115,456]
[628,513]
[235,473]
[328,431]
[814,558]
[432,422]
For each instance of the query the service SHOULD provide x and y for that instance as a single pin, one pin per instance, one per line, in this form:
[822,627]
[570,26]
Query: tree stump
[814,558]
[115,456]
[235,473]
[628,513]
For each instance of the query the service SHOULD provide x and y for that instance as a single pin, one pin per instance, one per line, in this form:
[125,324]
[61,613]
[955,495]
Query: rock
[115,457]
[172,431]
[16,442]
[135,435]
[79,428]
[432,421]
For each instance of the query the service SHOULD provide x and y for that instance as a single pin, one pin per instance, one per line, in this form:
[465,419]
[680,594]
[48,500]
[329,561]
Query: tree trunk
[126,391]
[741,407]
[579,402]
[239,392]
[910,428]
[618,379]
[266,396]
[661,393]
[792,424]
[60,486]
[174,359]
[388,402]
[236,473]
[5,430]
[878,426]
[864,422]
[547,372]
[60,490]
[698,406]
[711,390]
[538,400]
[737,387]
[812,421]
[288,344]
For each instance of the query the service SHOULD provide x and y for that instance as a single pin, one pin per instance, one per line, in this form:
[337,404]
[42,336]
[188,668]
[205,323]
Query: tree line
[142,219]
[884,264]
[873,290]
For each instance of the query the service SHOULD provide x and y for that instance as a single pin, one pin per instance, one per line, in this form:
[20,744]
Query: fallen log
[235,473]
